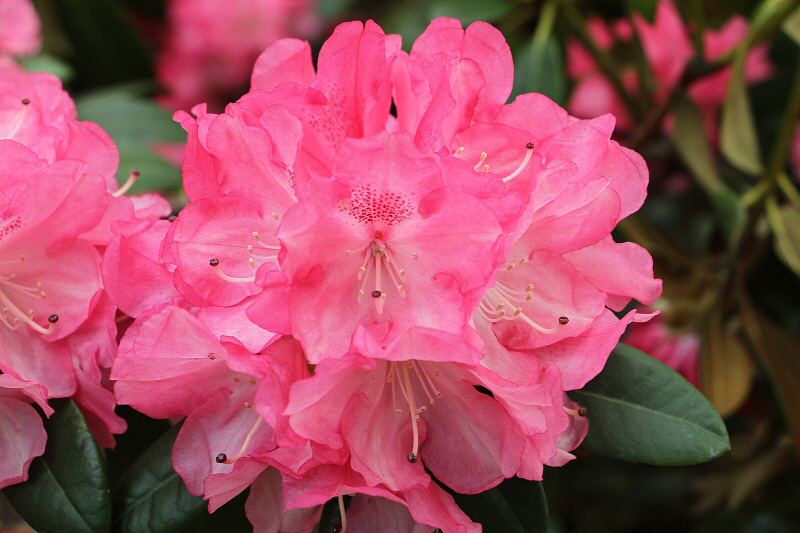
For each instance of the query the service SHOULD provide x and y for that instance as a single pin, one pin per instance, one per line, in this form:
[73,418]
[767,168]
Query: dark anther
[53,319]
[213,262]
[221,458]
[412,458]
[582,411]
[529,146]
[376,294]
[26,101]
[336,528]
[563,320]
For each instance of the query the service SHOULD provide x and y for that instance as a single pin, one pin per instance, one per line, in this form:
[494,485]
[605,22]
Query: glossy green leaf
[738,138]
[151,497]
[137,125]
[515,506]
[67,489]
[641,410]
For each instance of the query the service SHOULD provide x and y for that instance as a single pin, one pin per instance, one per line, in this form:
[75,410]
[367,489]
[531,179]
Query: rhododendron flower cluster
[210,46]
[59,199]
[386,279]
[668,49]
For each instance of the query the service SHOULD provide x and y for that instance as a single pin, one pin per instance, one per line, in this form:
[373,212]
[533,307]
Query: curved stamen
[264,245]
[562,321]
[412,457]
[215,266]
[19,316]
[132,177]
[529,147]
[513,294]
[480,161]
[20,119]
[229,461]
[343,515]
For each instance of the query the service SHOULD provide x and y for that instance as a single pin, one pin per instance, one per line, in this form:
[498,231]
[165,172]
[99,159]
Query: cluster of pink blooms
[668,49]
[210,46]
[385,280]
[59,200]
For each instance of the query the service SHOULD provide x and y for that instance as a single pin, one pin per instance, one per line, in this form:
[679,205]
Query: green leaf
[67,489]
[540,69]
[785,223]
[690,140]
[136,124]
[48,63]
[738,138]
[515,506]
[151,497]
[791,25]
[641,410]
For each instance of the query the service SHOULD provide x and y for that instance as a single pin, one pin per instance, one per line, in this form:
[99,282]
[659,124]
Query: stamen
[529,152]
[480,161]
[19,316]
[343,515]
[261,243]
[132,177]
[247,439]
[381,298]
[412,457]
[458,151]
[581,411]
[20,119]
[562,321]
[215,266]
[417,369]
[392,267]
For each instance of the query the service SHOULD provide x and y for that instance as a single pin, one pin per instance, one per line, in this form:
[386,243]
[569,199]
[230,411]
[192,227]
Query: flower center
[377,257]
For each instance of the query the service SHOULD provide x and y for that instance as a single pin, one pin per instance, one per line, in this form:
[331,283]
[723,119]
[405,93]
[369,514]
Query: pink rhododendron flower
[200,61]
[59,199]
[388,298]
[667,46]
[19,28]
[22,435]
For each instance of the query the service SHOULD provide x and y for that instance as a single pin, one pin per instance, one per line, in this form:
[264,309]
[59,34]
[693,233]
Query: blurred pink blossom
[668,49]
[19,28]
[211,46]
